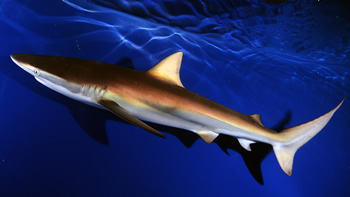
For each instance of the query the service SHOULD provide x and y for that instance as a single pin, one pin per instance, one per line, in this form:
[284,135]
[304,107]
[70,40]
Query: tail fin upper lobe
[297,136]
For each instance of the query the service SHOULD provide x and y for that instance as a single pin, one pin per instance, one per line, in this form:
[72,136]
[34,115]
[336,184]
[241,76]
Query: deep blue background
[287,61]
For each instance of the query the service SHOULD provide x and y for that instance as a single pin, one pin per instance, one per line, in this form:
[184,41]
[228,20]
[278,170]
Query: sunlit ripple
[238,42]
[236,56]
[292,27]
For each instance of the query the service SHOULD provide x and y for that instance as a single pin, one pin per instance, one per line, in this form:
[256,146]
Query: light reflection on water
[244,42]
[294,27]
[148,37]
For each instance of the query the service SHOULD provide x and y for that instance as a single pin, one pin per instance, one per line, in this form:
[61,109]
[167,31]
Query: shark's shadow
[92,121]
[94,126]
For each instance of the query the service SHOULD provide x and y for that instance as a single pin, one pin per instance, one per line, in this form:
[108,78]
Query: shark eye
[37,72]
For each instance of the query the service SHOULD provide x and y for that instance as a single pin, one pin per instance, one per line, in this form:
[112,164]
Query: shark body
[157,95]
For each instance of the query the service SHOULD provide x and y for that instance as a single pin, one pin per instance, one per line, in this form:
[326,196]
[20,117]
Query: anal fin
[208,136]
[122,113]
[245,143]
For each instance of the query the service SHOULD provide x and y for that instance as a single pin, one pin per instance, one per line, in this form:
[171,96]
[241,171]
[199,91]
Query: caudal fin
[297,136]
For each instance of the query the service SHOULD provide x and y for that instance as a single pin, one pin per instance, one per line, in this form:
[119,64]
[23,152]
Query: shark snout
[23,61]
[18,58]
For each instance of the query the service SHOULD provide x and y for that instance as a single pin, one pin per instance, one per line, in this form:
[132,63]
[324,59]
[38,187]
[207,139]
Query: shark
[157,95]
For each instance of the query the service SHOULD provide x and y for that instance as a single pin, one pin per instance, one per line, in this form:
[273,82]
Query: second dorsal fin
[257,118]
[168,69]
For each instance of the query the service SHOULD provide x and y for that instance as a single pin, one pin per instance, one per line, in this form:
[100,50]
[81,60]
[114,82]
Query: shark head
[48,70]
[67,76]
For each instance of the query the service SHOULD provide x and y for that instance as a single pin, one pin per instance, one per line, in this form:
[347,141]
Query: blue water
[289,61]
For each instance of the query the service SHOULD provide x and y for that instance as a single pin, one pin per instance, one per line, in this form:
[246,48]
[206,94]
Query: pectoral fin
[122,113]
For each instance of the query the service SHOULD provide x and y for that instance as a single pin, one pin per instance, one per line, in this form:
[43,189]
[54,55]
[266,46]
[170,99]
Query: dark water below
[287,61]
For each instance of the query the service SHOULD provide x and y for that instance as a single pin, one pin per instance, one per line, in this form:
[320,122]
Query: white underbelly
[75,92]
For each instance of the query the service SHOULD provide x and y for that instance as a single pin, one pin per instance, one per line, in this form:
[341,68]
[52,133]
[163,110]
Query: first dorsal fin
[168,69]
